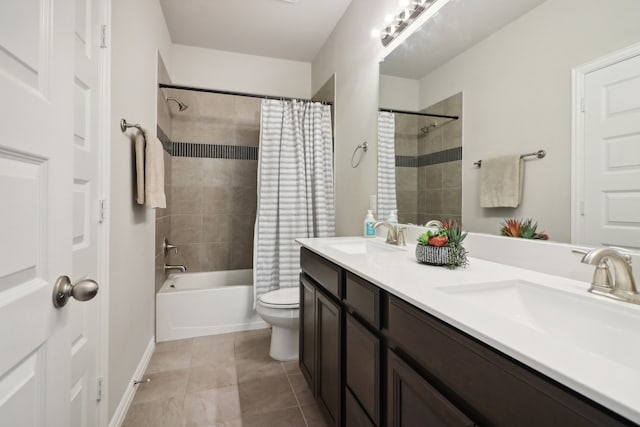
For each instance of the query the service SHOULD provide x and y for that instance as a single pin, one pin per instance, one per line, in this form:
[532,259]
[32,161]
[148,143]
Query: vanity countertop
[589,343]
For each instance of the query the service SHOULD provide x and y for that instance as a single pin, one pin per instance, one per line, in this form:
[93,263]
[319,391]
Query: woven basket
[434,255]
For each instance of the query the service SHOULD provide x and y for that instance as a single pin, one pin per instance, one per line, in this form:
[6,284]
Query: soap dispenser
[393,217]
[368,229]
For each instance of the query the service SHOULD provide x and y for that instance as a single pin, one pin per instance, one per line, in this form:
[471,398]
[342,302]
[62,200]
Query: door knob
[83,290]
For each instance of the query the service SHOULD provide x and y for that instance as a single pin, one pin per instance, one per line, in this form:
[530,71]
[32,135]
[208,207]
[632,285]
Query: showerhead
[427,128]
[181,105]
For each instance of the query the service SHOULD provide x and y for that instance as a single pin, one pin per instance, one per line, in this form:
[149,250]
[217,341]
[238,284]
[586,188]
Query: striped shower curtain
[295,188]
[386,165]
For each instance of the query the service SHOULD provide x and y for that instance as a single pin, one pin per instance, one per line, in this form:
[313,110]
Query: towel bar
[124,125]
[539,154]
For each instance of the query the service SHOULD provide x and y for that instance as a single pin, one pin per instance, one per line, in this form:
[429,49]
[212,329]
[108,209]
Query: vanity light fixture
[393,27]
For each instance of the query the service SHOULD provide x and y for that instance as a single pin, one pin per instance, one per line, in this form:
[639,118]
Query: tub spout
[175,267]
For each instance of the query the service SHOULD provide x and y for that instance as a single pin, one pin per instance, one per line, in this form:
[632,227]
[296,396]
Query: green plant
[523,228]
[450,235]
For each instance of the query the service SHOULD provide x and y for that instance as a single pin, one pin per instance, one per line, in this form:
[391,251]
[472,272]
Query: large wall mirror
[489,78]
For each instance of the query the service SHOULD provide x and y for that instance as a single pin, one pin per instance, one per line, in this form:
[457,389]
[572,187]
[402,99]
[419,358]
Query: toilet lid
[282,298]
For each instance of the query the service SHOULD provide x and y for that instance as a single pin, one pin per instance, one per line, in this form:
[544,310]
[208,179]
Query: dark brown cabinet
[362,370]
[307,341]
[329,337]
[374,360]
[321,333]
[413,402]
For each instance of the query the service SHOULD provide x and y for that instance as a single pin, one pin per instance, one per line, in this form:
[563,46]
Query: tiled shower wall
[213,200]
[431,187]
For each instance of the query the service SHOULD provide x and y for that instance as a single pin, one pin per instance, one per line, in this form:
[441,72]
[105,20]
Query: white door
[85,317]
[36,180]
[612,155]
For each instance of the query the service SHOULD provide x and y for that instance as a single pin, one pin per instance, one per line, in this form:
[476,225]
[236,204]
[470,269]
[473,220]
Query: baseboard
[127,398]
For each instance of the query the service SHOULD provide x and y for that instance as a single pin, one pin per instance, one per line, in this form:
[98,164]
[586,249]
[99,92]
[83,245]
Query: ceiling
[286,29]
[456,27]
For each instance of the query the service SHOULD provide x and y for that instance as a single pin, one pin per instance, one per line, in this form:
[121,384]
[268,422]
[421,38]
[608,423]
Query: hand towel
[139,146]
[501,181]
[154,196]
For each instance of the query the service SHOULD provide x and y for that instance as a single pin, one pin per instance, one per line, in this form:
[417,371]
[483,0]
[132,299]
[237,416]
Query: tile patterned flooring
[223,380]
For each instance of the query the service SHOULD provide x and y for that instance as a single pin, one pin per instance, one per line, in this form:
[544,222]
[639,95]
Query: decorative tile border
[407,161]
[214,151]
[438,157]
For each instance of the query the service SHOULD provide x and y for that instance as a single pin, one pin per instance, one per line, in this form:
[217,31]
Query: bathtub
[196,304]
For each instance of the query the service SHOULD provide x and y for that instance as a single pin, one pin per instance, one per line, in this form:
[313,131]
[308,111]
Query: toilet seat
[281,298]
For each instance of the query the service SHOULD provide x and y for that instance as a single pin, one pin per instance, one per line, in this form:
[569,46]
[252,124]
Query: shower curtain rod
[227,92]
[414,113]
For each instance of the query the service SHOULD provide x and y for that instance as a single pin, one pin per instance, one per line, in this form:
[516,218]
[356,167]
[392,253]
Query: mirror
[505,68]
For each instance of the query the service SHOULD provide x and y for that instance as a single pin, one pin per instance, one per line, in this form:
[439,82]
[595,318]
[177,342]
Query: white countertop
[612,382]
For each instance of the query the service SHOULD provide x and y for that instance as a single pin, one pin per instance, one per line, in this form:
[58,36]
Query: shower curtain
[295,188]
[386,165]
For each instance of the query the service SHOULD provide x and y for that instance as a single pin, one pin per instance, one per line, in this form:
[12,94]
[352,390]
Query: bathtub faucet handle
[166,247]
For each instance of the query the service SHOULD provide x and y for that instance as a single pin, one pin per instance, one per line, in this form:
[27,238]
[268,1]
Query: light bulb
[375,33]
[403,3]
[388,18]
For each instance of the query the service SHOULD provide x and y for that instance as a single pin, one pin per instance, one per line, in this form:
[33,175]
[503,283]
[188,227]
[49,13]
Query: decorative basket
[435,255]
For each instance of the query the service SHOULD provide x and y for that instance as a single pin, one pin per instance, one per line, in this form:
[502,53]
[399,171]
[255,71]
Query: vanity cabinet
[329,355]
[373,359]
[362,370]
[307,339]
[487,385]
[321,332]
[412,401]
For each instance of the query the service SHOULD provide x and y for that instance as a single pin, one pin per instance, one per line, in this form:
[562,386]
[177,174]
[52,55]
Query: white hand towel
[154,196]
[501,181]
[139,152]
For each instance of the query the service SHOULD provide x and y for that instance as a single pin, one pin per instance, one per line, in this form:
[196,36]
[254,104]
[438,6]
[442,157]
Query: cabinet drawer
[322,271]
[414,402]
[494,389]
[363,367]
[363,298]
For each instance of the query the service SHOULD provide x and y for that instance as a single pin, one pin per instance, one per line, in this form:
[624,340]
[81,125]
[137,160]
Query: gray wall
[352,54]
[138,33]
[163,219]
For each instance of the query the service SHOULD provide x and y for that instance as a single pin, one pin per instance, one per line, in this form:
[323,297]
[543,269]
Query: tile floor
[223,380]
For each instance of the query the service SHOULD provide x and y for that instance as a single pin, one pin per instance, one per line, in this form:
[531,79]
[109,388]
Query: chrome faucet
[175,267]
[622,286]
[395,233]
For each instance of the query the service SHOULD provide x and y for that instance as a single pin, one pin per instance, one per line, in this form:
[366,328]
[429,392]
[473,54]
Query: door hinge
[103,36]
[102,211]
[582,105]
[99,389]
[582,208]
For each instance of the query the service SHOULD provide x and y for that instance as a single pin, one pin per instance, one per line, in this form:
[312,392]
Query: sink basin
[362,246]
[591,322]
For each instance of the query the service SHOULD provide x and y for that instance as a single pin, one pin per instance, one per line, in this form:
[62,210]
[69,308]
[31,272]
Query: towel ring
[364,147]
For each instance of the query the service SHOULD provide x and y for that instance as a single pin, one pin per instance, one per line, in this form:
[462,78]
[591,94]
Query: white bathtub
[196,304]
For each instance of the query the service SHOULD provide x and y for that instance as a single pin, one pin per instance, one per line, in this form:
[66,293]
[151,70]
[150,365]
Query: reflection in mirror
[428,153]
[507,65]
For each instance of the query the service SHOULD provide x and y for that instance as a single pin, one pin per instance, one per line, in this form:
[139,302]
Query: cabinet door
[363,367]
[329,351]
[307,341]
[414,402]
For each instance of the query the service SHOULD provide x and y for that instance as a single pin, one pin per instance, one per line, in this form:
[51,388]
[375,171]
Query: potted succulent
[523,228]
[443,246]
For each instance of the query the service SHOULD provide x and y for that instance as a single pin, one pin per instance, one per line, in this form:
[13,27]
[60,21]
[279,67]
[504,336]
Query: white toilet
[281,309]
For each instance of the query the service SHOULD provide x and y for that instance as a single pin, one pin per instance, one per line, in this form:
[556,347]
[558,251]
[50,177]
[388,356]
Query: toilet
[281,309]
